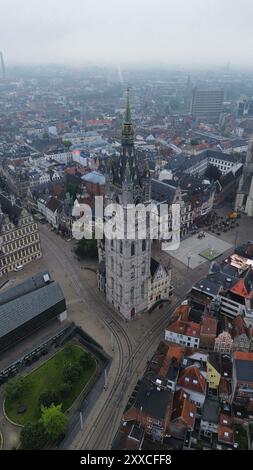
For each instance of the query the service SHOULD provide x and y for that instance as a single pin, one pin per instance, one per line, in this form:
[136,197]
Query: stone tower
[244,196]
[127,261]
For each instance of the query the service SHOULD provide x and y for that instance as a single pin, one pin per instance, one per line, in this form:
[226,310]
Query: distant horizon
[174,67]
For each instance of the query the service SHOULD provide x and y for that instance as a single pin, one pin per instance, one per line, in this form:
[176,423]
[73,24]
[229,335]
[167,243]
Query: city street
[129,344]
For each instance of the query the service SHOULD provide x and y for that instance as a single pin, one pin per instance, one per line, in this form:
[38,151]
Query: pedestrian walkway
[10,432]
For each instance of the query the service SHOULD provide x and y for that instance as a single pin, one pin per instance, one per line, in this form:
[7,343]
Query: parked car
[19,267]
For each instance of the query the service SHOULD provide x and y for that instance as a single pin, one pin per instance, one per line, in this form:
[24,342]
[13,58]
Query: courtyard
[50,377]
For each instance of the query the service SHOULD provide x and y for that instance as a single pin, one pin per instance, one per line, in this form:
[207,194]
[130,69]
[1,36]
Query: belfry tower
[127,260]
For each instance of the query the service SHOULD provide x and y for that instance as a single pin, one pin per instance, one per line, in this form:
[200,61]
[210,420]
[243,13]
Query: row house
[185,333]
[151,408]
[242,378]
[183,413]
[236,337]
[192,381]
[20,239]
[225,430]
[50,209]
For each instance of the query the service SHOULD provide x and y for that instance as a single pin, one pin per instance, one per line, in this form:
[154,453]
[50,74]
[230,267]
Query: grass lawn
[210,255]
[48,377]
[241,437]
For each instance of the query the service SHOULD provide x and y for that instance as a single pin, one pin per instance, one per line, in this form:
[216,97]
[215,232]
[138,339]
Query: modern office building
[207,104]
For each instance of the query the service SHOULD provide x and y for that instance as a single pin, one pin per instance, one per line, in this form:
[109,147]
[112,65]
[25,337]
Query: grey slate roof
[244,370]
[29,285]
[211,410]
[23,309]
[162,192]
[152,402]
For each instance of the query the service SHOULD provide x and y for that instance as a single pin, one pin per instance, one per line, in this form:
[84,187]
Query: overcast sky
[123,31]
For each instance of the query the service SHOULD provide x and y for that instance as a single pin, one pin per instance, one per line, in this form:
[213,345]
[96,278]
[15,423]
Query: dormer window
[132,249]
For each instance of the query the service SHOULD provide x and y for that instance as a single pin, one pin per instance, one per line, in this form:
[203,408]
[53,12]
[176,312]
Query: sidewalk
[9,431]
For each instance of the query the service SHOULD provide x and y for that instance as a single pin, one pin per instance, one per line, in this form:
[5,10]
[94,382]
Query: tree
[87,247]
[213,173]
[53,421]
[48,397]
[72,189]
[86,361]
[16,387]
[72,372]
[67,143]
[65,389]
[33,436]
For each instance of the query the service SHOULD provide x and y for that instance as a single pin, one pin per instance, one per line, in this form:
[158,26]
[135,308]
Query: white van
[19,267]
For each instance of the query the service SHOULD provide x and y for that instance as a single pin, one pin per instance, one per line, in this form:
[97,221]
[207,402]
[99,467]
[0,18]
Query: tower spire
[128,109]
[127,128]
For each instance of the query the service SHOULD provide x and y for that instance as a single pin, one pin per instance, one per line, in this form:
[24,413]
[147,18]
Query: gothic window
[143,245]
[112,283]
[132,249]
[143,268]
[121,247]
[142,290]
[112,263]
[112,243]
[132,294]
[120,270]
[132,272]
[120,293]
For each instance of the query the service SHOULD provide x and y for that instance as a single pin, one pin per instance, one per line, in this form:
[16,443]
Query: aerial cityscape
[126,228]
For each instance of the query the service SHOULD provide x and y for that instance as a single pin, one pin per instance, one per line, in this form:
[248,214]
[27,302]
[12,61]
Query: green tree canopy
[54,421]
[67,143]
[33,436]
[72,372]
[87,247]
[48,397]
[72,189]
[86,361]
[16,387]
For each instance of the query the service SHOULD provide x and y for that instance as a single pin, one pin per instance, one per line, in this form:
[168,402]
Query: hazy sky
[139,31]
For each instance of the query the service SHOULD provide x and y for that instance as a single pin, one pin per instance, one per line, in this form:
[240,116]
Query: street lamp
[188,264]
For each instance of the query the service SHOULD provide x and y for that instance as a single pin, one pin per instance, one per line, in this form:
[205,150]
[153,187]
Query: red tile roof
[224,387]
[240,289]
[243,356]
[191,378]
[240,327]
[208,326]
[183,409]
[226,420]
[174,351]
[185,328]
[225,434]
[182,312]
